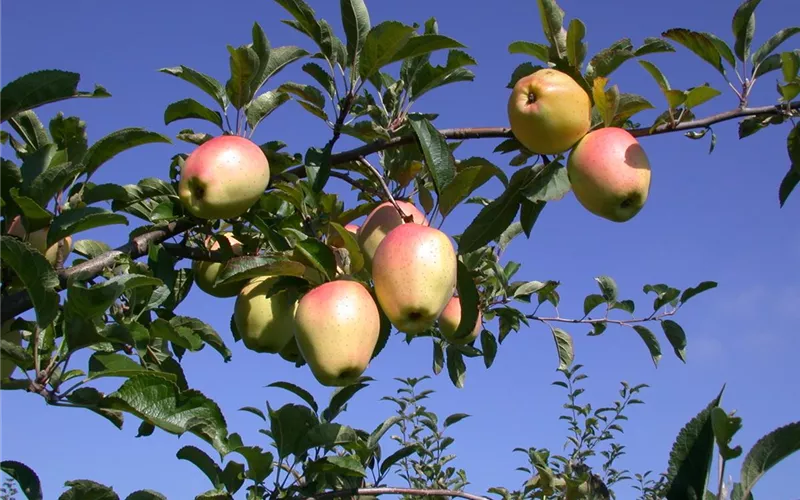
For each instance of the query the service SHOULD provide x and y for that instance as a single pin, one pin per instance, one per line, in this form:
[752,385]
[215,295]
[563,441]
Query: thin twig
[407,218]
[393,491]
[589,321]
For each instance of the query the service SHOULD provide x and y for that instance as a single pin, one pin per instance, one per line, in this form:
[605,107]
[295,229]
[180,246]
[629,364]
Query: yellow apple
[610,174]
[206,272]
[336,327]
[223,177]
[549,111]
[414,271]
[265,324]
[451,318]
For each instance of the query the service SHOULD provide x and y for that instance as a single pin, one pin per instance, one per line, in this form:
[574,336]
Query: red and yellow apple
[451,318]
[336,327]
[610,174]
[223,177]
[549,111]
[380,221]
[414,272]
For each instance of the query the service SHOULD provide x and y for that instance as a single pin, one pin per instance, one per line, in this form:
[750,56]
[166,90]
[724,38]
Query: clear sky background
[709,217]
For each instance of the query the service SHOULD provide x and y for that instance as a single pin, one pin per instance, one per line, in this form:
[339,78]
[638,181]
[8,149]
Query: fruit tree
[394,246]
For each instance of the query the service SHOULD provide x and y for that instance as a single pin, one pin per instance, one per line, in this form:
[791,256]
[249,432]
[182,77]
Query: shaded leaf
[700,288]
[36,274]
[84,489]
[743,26]
[768,452]
[39,88]
[438,156]
[536,50]
[243,66]
[699,43]
[456,368]
[774,41]
[676,337]
[564,347]
[263,105]
[651,342]
[189,108]
[117,142]
[298,391]
[202,81]
[489,348]
[202,461]
[25,477]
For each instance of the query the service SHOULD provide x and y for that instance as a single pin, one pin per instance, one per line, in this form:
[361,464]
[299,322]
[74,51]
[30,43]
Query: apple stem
[406,218]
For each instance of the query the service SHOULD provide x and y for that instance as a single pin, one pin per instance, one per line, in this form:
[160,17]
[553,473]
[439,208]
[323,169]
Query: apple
[335,240]
[414,272]
[549,111]
[223,177]
[265,324]
[38,240]
[610,174]
[6,333]
[206,272]
[451,318]
[336,327]
[380,221]
[291,352]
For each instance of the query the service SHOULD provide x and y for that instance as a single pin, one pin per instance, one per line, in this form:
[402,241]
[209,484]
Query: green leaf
[397,456]
[700,288]
[145,495]
[77,220]
[489,348]
[520,72]
[536,50]
[378,433]
[298,391]
[438,156]
[54,179]
[607,60]
[204,331]
[656,73]
[793,145]
[93,301]
[552,17]
[355,19]
[651,342]
[84,489]
[202,461]
[339,399]
[39,88]
[25,477]
[339,466]
[455,417]
[189,108]
[253,266]
[653,45]
[494,218]
[768,452]
[790,180]
[564,347]
[36,274]
[775,40]
[183,337]
[548,182]
[207,84]
[456,368]
[725,426]
[327,435]
[699,43]
[576,47]
[280,57]
[425,44]
[117,142]
[243,66]
[307,92]
[608,287]
[263,50]
[676,337]
[590,302]
[36,163]
[743,27]
[154,398]
[691,454]
[790,64]
[35,217]
[263,105]
[319,255]
[438,357]
[626,305]
[105,364]
[470,301]
[259,462]
[352,246]
[472,173]
[322,77]
[233,476]
[383,41]
[698,95]
[306,23]
[31,129]
[289,426]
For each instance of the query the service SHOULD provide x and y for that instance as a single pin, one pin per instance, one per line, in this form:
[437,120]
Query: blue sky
[709,217]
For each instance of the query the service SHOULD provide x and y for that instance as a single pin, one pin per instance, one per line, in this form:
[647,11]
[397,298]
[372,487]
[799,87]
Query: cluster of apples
[550,113]
[335,326]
